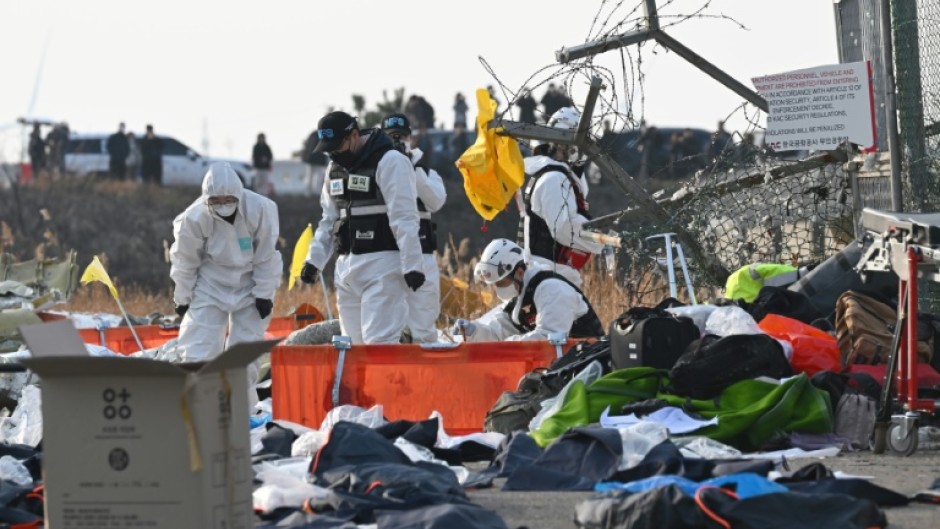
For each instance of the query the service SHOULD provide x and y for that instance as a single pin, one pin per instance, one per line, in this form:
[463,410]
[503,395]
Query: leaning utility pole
[645,204]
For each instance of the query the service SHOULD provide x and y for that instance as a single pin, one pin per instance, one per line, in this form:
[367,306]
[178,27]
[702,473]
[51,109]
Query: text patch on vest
[359,183]
[244,243]
[336,187]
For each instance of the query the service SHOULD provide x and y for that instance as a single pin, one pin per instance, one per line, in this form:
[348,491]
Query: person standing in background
[261,158]
[118,150]
[57,140]
[460,111]
[527,105]
[151,154]
[37,150]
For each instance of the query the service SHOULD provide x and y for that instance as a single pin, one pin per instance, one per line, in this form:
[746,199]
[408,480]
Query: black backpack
[515,409]
[576,358]
[713,363]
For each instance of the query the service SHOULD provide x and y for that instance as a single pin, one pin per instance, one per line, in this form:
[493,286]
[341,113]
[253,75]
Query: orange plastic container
[814,350]
[120,340]
[409,382]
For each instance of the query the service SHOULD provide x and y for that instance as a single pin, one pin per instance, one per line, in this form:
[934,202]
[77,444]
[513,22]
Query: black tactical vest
[541,242]
[587,326]
[363,216]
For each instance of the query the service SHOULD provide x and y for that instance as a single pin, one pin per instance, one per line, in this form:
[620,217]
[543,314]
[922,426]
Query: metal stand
[670,264]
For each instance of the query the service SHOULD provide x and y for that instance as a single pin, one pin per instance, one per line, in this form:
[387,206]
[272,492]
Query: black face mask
[345,158]
[399,145]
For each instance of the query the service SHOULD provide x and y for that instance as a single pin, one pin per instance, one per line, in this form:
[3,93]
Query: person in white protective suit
[424,304]
[370,218]
[555,201]
[225,266]
[538,302]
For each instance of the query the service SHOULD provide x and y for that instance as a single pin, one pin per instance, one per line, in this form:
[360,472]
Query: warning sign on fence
[819,108]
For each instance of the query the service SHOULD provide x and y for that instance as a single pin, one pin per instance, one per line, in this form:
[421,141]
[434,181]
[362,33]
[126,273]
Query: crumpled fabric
[492,168]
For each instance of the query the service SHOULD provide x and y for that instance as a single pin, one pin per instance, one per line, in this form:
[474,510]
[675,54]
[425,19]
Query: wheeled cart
[909,245]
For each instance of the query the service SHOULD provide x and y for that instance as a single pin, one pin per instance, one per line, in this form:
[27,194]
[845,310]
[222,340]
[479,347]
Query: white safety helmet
[499,259]
[565,118]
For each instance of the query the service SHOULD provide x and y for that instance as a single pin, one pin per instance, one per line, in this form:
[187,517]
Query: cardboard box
[137,443]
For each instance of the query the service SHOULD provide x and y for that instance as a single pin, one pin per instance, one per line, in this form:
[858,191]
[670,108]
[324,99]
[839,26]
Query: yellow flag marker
[300,256]
[96,272]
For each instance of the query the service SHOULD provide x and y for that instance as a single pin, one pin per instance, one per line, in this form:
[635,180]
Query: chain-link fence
[916,29]
[808,215]
[730,200]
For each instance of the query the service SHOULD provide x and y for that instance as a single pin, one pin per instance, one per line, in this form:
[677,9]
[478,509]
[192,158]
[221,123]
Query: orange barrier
[120,340]
[408,381]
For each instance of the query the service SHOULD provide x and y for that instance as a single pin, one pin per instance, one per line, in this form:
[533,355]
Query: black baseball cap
[396,123]
[333,129]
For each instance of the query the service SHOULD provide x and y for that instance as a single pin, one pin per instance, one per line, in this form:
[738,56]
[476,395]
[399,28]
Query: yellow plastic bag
[492,167]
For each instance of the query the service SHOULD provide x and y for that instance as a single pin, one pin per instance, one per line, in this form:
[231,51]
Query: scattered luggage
[777,300]
[855,418]
[650,337]
[515,409]
[864,328]
[712,363]
[826,282]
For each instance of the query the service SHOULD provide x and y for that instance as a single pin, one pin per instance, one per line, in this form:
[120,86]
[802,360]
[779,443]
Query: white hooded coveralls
[557,305]
[371,293]
[424,305]
[220,269]
[554,201]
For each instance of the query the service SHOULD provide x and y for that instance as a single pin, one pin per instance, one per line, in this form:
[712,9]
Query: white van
[87,154]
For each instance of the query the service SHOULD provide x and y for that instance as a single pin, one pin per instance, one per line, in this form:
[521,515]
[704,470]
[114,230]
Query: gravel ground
[555,510]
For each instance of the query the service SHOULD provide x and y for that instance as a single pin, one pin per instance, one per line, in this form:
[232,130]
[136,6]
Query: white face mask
[507,292]
[225,210]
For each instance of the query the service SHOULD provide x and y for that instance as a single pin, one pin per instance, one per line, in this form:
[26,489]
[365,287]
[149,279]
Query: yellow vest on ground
[747,281]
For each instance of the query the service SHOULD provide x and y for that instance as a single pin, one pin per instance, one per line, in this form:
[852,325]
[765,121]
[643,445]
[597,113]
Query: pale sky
[276,66]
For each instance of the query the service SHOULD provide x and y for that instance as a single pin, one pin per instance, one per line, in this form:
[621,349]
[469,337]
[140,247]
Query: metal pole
[685,273]
[713,71]
[671,266]
[129,324]
[326,297]
[584,124]
[891,113]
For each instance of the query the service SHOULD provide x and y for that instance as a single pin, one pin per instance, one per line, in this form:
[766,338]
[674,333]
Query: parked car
[87,154]
[294,177]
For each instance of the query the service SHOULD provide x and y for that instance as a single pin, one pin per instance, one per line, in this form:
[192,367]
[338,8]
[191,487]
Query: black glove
[414,280]
[308,274]
[181,310]
[264,307]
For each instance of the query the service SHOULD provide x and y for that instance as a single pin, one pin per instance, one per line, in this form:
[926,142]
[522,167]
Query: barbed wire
[729,193]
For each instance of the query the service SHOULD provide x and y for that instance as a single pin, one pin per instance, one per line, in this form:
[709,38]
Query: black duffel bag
[713,363]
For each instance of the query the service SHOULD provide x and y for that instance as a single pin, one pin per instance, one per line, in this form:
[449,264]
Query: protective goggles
[221,200]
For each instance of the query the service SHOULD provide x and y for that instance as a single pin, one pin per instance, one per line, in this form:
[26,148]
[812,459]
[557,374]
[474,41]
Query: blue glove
[464,328]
